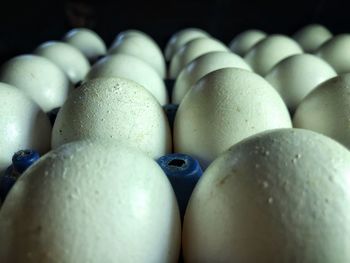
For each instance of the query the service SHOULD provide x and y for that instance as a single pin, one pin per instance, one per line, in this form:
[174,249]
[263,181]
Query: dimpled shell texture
[118,109]
[133,68]
[223,108]
[244,41]
[87,41]
[68,58]
[201,66]
[336,52]
[327,110]
[311,37]
[296,76]
[23,125]
[271,199]
[91,202]
[39,78]
[191,51]
[269,51]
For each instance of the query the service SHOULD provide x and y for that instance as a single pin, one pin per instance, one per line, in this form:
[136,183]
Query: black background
[23,26]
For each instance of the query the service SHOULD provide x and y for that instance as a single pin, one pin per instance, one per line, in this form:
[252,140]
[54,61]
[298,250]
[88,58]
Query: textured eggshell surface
[142,47]
[23,125]
[327,110]
[39,78]
[278,197]
[70,59]
[201,66]
[223,108]
[336,52]
[311,37]
[181,38]
[244,41]
[133,68]
[269,51]
[91,202]
[116,109]
[296,76]
[87,41]
[191,51]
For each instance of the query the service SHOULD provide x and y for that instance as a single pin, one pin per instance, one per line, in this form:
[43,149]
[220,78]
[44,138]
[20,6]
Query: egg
[116,109]
[224,107]
[39,78]
[91,202]
[87,41]
[326,110]
[280,196]
[130,67]
[23,125]
[244,41]
[311,37]
[180,38]
[201,66]
[269,51]
[297,75]
[141,46]
[70,60]
[191,51]
[335,52]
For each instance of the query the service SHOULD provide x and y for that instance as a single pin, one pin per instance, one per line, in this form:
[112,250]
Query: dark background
[23,26]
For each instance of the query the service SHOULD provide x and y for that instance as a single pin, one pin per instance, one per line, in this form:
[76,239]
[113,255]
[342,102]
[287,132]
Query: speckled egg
[91,202]
[223,108]
[244,41]
[280,196]
[39,78]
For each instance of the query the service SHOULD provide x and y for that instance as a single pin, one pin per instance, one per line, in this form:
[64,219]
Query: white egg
[91,202]
[311,37]
[336,52]
[327,110]
[116,109]
[68,58]
[133,68]
[141,46]
[39,78]
[201,66]
[223,108]
[87,41]
[180,38]
[23,125]
[297,75]
[281,196]
[269,51]
[244,41]
[192,50]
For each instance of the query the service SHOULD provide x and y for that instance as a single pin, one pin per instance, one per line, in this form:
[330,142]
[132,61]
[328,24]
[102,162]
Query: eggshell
[39,78]
[130,67]
[244,41]
[281,196]
[311,37]
[336,52]
[327,110]
[87,41]
[180,38]
[23,125]
[192,50]
[68,58]
[269,51]
[91,202]
[117,109]
[143,47]
[223,108]
[297,75]
[200,67]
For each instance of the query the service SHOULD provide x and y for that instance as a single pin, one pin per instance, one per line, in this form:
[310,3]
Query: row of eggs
[220,105]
